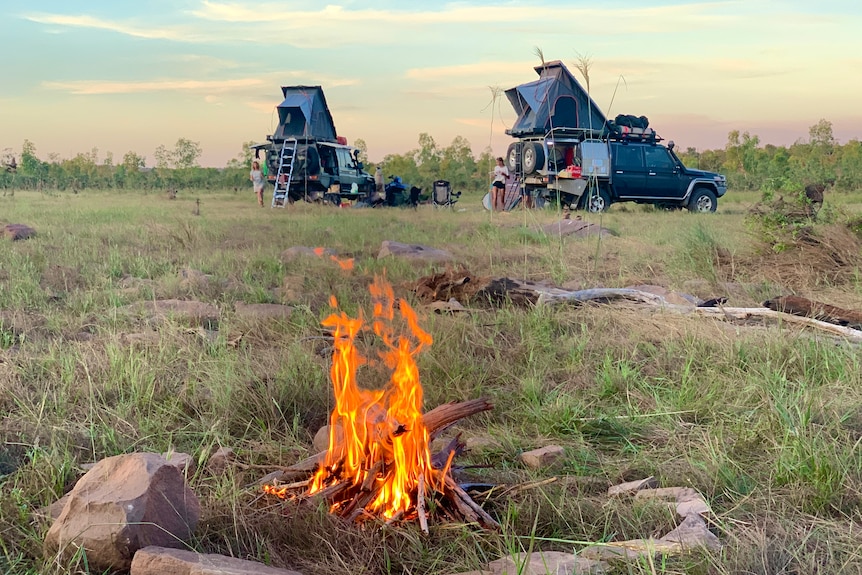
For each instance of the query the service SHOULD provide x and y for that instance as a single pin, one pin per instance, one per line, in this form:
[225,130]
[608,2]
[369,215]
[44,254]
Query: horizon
[132,77]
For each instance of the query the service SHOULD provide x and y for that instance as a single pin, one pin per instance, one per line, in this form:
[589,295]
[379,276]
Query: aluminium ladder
[286,160]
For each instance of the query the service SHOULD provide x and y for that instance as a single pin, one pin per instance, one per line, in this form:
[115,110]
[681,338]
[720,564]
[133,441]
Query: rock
[17,232]
[54,510]
[161,561]
[632,486]
[182,461]
[693,533]
[219,460]
[262,311]
[189,311]
[479,443]
[451,306]
[632,550]
[575,228]
[671,297]
[685,500]
[321,438]
[543,457]
[143,338]
[546,563]
[123,504]
[413,252]
[295,252]
[191,279]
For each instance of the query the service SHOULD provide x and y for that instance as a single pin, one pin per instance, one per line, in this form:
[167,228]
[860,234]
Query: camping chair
[443,195]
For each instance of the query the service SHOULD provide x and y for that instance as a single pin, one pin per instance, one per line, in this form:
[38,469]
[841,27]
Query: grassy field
[764,420]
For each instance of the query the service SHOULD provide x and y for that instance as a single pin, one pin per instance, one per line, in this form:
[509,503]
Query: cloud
[93,87]
[151,33]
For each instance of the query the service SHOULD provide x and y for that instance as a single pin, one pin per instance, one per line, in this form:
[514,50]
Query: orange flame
[381,431]
[345,264]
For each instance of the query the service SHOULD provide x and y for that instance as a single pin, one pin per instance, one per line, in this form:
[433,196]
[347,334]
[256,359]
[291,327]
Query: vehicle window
[327,159]
[628,157]
[658,157]
[345,161]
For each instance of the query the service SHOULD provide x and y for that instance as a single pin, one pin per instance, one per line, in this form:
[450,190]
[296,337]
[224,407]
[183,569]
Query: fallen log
[804,307]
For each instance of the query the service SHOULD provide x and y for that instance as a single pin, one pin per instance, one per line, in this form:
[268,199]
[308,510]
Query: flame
[345,264]
[377,437]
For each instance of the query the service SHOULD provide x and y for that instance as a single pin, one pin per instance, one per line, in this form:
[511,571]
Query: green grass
[766,423]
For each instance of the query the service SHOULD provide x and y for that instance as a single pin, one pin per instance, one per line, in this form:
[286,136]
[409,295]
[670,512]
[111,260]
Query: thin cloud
[102,24]
[94,87]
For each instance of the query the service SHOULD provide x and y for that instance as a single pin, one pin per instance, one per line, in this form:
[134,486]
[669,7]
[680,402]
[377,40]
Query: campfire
[379,464]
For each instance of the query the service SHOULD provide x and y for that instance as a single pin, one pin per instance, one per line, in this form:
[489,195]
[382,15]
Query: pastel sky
[127,75]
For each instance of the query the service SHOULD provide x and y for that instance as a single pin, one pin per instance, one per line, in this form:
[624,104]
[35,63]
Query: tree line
[747,164]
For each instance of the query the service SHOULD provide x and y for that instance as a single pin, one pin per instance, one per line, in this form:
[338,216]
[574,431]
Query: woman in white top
[256,177]
[498,187]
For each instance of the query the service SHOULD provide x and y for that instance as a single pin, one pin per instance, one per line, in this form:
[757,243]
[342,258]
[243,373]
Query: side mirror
[360,166]
[670,145]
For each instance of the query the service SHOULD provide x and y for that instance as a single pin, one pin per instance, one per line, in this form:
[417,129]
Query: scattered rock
[543,457]
[451,306]
[143,338]
[191,279]
[219,460]
[577,228]
[262,311]
[295,252]
[413,252]
[545,563]
[685,500]
[693,533]
[631,487]
[479,443]
[123,504]
[160,560]
[190,311]
[17,232]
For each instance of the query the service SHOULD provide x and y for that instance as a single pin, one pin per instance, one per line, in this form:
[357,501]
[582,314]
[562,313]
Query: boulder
[693,533]
[124,503]
[413,252]
[155,560]
[546,563]
[182,461]
[543,457]
[16,232]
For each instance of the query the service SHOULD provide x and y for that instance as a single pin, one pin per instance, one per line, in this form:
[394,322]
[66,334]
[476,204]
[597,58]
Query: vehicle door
[628,176]
[662,180]
[347,170]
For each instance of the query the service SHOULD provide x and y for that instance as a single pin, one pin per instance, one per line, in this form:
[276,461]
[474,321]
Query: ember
[379,464]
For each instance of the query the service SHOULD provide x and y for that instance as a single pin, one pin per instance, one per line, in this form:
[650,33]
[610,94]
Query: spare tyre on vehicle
[533,157]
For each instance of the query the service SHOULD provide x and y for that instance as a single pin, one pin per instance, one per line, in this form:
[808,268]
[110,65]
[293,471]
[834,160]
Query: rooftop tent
[304,113]
[555,100]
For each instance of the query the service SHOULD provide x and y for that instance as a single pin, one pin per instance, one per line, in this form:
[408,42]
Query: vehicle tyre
[595,200]
[703,200]
[513,157]
[533,157]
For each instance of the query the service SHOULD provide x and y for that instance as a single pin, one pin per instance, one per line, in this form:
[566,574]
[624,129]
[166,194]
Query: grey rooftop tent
[555,100]
[304,114]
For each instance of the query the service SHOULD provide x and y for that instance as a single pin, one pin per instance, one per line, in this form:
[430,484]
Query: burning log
[378,464]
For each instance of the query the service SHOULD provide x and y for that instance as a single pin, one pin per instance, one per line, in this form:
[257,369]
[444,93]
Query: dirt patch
[62,279]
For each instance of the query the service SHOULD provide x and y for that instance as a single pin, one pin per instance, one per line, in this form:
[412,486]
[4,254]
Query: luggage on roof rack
[631,128]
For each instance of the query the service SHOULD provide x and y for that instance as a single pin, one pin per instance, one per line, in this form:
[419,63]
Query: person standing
[256,177]
[498,186]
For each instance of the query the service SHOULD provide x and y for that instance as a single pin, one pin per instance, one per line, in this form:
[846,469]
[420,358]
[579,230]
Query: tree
[243,159]
[163,157]
[186,153]
[363,150]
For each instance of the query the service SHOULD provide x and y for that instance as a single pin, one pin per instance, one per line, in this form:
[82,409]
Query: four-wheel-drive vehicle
[305,159]
[568,152]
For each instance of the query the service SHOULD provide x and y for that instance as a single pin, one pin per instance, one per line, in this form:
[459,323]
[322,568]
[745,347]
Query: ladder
[286,160]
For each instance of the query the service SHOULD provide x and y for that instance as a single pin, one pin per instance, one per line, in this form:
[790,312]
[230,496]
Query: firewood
[436,420]
[420,504]
[485,519]
[464,510]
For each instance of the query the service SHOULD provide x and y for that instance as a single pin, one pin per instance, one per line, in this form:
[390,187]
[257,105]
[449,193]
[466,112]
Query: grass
[766,423]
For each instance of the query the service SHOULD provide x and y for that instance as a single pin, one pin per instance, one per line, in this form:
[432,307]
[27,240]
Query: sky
[129,76]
